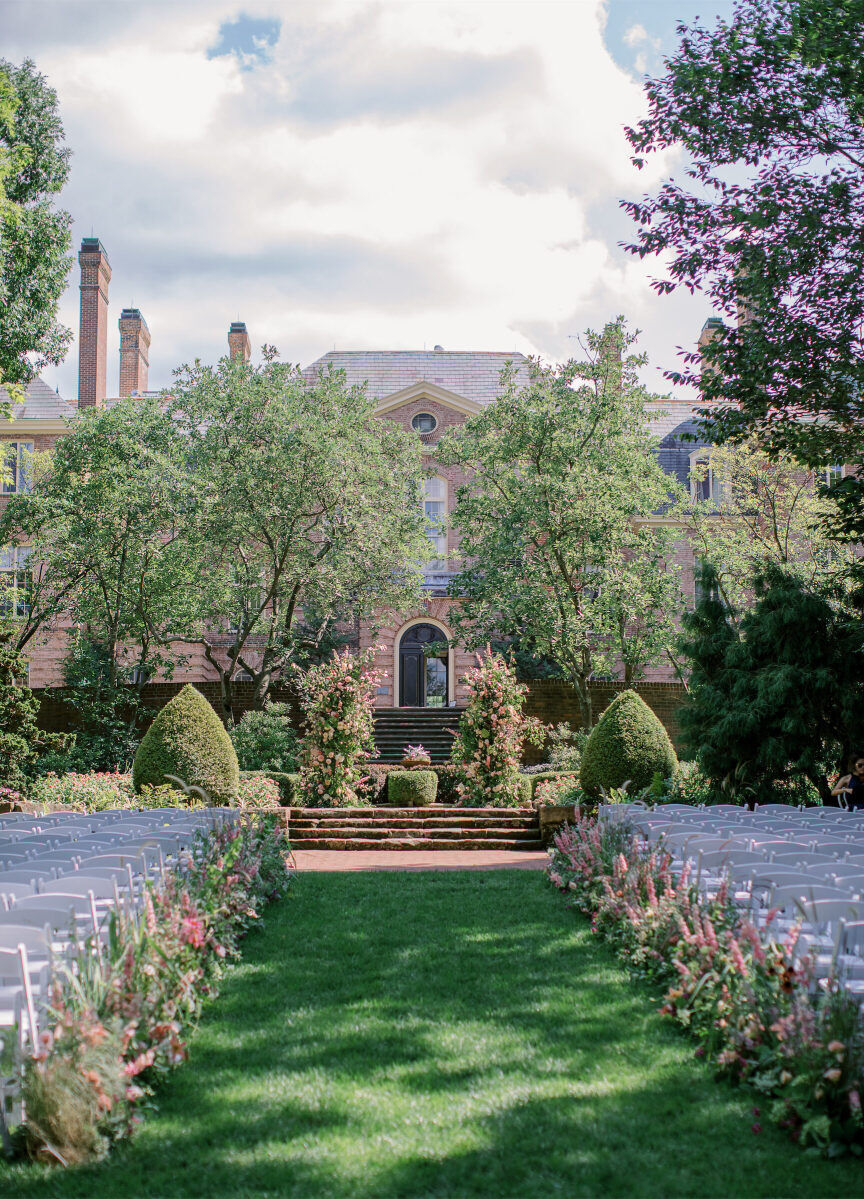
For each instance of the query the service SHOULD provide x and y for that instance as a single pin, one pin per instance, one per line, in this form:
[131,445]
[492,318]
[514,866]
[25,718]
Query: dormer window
[705,484]
[424,422]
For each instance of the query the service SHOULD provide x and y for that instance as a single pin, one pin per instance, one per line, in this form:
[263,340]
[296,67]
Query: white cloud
[635,34]
[396,174]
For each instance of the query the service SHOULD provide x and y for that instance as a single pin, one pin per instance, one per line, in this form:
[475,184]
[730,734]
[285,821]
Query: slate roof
[674,452]
[473,374]
[41,402]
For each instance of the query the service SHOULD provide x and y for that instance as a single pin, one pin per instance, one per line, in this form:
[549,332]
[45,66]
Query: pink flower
[192,932]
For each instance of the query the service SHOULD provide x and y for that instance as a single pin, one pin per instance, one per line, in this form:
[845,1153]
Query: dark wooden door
[411,678]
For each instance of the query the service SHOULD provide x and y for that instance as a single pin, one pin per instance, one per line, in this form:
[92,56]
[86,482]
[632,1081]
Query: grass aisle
[453,1034]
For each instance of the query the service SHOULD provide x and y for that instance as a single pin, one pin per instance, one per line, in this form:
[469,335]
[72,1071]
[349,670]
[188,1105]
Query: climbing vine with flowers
[742,991]
[337,698]
[491,734]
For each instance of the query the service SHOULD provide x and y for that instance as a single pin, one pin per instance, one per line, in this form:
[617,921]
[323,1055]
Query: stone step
[397,843]
[432,811]
[466,821]
[421,834]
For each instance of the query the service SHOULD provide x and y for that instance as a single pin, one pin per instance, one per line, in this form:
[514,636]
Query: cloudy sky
[358,175]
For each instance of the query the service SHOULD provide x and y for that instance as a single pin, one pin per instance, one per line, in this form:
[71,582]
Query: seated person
[852,784]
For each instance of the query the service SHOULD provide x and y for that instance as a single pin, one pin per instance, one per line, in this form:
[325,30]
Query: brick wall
[58,717]
[554,700]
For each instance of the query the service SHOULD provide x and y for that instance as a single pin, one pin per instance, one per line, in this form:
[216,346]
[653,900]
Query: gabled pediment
[425,390]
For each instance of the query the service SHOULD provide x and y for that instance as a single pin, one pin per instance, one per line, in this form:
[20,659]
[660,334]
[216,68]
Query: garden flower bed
[745,996]
[119,1018]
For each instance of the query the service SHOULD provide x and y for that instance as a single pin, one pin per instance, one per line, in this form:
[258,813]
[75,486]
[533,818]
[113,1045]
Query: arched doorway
[423,673]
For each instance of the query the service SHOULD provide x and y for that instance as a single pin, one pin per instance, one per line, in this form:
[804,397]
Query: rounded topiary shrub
[412,788]
[188,740]
[628,743]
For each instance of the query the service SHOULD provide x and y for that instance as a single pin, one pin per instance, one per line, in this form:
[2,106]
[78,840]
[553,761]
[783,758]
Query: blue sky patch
[249,39]
[639,34]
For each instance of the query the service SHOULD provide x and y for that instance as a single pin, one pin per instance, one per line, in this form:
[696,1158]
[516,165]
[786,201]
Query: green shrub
[563,791]
[258,791]
[546,776]
[412,788]
[165,797]
[526,791]
[84,792]
[266,740]
[566,747]
[290,791]
[187,740]
[628,743]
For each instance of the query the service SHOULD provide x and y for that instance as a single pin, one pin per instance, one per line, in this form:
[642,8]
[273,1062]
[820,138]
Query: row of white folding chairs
[71,907]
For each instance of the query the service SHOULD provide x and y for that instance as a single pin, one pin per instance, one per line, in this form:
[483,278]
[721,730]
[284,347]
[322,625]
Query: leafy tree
[777,698]
[107,714]
[766,220]
[558,548]
[20,737]
[110,522]
[34,236]
[305,501]
[764,510]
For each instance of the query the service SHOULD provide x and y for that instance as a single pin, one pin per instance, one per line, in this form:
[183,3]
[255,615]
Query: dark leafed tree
[777,695]
[767,220]
[34,235]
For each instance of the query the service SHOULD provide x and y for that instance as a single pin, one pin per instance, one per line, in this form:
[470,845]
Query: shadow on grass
[461,1035]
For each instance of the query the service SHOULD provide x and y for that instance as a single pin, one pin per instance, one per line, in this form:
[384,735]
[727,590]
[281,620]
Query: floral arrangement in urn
[416,755]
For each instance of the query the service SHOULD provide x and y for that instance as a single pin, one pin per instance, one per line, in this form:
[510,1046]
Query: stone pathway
[431,859]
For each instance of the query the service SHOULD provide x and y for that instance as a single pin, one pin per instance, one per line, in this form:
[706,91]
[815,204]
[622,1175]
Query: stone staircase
[432,728]
[435,827]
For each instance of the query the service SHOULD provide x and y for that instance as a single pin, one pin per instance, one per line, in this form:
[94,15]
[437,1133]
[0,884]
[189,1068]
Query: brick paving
[307,860]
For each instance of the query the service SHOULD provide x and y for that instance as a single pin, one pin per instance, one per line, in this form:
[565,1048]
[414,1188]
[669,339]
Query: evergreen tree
[781,698]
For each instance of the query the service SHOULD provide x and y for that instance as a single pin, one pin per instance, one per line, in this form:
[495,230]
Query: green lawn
[453,1034]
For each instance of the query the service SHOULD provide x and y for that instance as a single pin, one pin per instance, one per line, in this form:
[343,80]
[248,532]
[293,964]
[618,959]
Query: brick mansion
[426,392]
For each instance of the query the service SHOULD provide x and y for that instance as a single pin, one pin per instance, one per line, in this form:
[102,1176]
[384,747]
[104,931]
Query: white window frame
[715,488]
[16,459]
[424,432]
[828,476]
[436,524]
[16,577]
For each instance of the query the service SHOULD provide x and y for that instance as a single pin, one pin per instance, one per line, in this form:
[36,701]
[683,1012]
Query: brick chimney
[93,328]
[239,345]
[709,330]
[134,351]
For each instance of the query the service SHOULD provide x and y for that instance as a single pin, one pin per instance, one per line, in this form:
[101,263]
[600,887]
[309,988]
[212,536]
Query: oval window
[424,422]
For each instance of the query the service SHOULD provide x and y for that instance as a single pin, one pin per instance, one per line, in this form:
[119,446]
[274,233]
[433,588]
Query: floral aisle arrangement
[491,733]
[745,995]
[337,698]
[121,1017]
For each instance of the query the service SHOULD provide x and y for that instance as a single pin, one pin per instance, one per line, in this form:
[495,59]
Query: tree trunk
[586,705]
